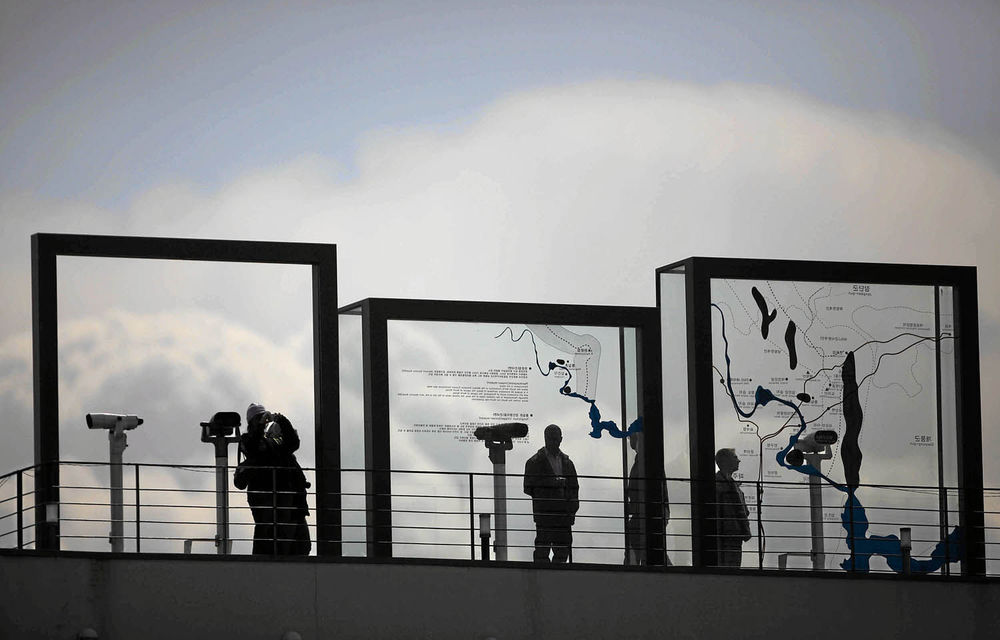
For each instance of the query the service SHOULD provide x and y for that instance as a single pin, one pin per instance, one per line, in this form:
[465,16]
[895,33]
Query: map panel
[446,379]
[861,364]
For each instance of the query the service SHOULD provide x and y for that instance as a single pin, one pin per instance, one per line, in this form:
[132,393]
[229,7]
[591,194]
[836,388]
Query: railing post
[20,511]
[905,546]
[760,527]
[137,519]
[662,515]
[472,520]
[274,511]
[946,568]
[852,541]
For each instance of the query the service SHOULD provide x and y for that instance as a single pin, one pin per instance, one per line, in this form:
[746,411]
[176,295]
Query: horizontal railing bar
[485,474]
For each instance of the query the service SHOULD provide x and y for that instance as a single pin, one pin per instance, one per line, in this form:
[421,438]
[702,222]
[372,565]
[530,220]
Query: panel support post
[969,419]
[326,389]
[702,415]
[378,484]
[649,386]
[45,345]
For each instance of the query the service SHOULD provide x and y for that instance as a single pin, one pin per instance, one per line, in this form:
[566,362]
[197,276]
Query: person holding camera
[275,484]
[550,479]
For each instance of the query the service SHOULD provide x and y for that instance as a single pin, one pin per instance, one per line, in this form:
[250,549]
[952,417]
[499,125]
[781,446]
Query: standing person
[636,519]
[550,480]
[275,484]
[731,514]
[635,506]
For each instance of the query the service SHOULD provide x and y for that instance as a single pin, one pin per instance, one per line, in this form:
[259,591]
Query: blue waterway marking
[854,518]
[596,424]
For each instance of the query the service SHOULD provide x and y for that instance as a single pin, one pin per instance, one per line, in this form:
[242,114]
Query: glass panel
[174,342]
[827,393]
[448,379]
[676,443]
[633,455]
[947,419]
[352,434]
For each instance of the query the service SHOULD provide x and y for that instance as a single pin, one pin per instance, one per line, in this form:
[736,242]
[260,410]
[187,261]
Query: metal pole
[484,536]
[662,515]
[137,519]
[818,554]
[851,538]
[472,521]
[214,433]
[905,545]
[760,526]
[942,492]
[20,511]
[499,457]
[116,446]
[221,496]
[816,516]
[274,511]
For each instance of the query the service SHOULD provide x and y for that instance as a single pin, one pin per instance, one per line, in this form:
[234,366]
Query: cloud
[173,369]
[568,194]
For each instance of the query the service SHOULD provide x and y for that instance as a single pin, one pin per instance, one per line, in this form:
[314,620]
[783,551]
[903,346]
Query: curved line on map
[597,426]
[854,517]
[533,344]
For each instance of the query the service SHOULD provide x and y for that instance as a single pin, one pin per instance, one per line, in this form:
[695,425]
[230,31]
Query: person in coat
[275,484]
[550,479]
[732,518]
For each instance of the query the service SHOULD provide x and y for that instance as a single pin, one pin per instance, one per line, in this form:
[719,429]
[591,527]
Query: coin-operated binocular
[813,448]
[221,431]
[116,424]
[223,424]
[499,439]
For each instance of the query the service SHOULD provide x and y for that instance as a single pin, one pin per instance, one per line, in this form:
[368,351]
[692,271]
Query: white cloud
[569,194]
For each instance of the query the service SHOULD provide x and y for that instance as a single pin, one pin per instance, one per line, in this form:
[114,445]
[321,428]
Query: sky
[523,152]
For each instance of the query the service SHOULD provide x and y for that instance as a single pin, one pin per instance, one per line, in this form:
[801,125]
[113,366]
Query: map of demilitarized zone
[861,360]
[574,364]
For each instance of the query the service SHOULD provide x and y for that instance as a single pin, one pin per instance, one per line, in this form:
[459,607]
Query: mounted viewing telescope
[116,424]
[222,430]
[502,434]
[499,440]
[812,449]
[112,421]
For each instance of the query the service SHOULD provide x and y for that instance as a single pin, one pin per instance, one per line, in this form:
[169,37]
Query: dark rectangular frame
[46,247]
[698,273]
[375,314]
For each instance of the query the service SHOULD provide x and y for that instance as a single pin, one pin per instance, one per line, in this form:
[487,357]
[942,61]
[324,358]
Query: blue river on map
[854,518]
[597,426]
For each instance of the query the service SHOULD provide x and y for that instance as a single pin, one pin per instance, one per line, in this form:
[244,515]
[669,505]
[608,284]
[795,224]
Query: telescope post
[498,456]
[222,495]
[214,431]
[818,552]
[117,442]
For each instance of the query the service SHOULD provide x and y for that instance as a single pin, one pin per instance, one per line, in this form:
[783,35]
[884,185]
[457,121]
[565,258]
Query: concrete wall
[55,597]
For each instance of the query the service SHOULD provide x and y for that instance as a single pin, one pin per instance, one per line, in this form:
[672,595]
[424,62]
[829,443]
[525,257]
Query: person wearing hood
[275,484]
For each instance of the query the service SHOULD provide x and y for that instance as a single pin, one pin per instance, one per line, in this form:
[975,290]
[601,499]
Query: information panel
[825,392]
[448,379]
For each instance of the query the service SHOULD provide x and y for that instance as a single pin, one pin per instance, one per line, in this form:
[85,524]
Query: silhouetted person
[731,514]
[635,507]
[275,484]
[550,480]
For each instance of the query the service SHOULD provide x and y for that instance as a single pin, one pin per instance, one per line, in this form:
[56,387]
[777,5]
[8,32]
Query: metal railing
[173,509]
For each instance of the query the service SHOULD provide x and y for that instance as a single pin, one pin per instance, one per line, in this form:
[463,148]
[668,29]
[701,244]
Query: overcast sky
[537,152]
